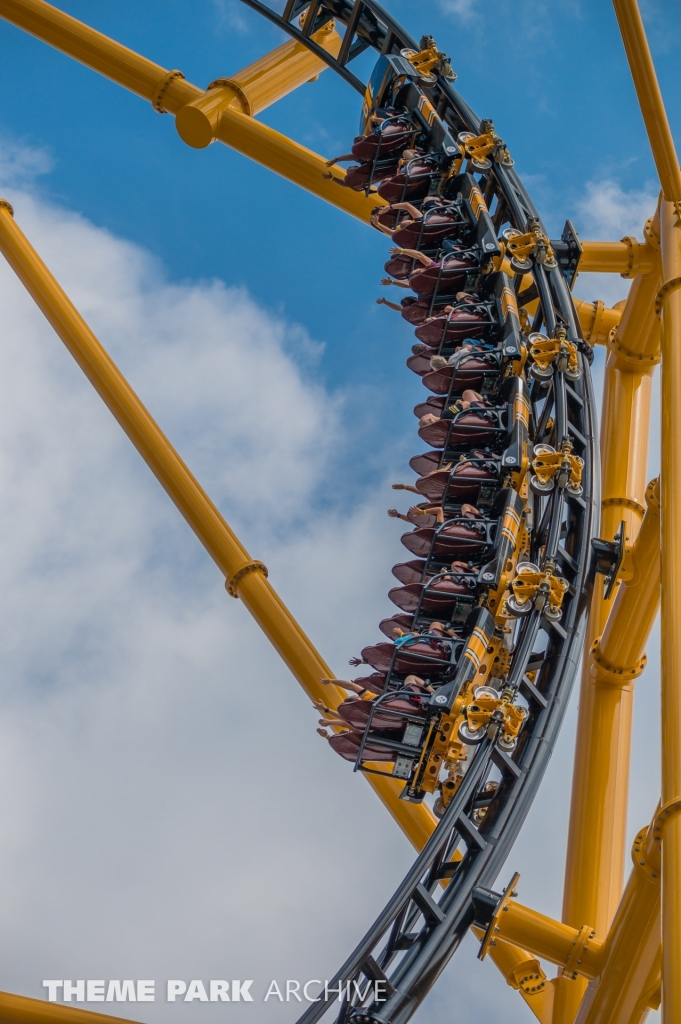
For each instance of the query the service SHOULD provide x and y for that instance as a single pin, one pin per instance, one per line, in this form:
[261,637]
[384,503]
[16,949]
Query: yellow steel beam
[168,91]
[279,72]
[596,836]
[253,89]
[649,97]
[597,320]
[22,1010]
[549,939]
[669,302]
[630,957]
[619,654]
[628,257]
[523,972]
[241,572]
[256,87]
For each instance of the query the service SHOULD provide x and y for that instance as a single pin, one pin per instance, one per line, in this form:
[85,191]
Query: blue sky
[552,75]
[243,310]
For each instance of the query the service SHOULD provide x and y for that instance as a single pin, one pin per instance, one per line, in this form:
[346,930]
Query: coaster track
[468,700]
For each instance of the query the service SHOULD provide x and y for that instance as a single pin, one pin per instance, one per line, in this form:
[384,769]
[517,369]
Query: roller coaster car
[413,181]
[472,539]
[386,713]
[449,595]
[399,623]
[477,370]
[470,426]
[419,570]
[391,136]
[361,177]
[475,478]
[449,274]
[467,319]
[411,750]
[494,313]
[436,224]
[416,311]
[458,537]
[395,83]
[504,426]
[420,654]
[375,683]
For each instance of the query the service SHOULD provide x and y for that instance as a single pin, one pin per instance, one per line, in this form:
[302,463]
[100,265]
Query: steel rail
[410,962]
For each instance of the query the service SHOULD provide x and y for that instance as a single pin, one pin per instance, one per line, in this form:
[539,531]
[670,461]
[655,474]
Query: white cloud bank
[606,213]
[168,809]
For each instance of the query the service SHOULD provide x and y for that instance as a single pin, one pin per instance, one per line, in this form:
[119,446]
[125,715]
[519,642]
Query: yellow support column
[670,305]
[629,982]
[668,302]
[630,956]
[244,575]
[597,832]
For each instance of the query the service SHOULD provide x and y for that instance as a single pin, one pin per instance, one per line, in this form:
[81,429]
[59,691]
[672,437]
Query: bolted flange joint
[615,675]
[231,583]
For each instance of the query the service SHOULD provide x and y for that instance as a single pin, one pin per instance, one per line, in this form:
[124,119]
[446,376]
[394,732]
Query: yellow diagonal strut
[222,112]
[23,1010]
[242,574]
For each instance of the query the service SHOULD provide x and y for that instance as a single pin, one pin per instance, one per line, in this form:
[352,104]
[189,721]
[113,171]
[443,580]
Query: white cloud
[607,213]
[21,163]
[169,810]
[462,9]
[172,809]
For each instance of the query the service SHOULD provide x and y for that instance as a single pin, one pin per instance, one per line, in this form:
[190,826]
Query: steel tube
[649,97]
[599,798]
[670,302]
[256,87]
[597,831]
[22,1010]
[203,517]
[546,938]
[168,91]
[523,972]
[628,257]
[630,956]
[596,320]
